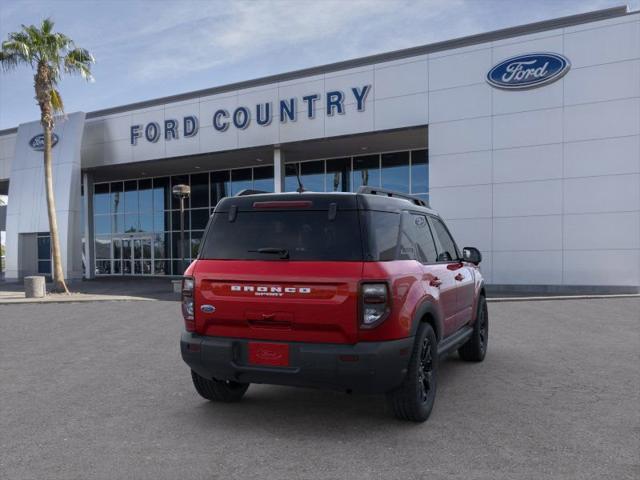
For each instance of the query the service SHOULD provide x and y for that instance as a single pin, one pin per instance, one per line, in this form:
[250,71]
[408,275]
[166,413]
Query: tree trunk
[59,284]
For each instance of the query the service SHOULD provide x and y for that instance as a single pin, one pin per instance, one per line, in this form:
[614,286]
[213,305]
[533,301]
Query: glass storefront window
[103,247]
[161,194]
[175,244]
[290,177]
[366,171]
[219,186]
[101,199]
[44,247]
[145,195]
[160,245]
[419,171]
[241,179]
[44,253]
[395,171]
[103,267]
[312,176]
[117,223]
[338,175]
[263,179]
[102,224]
[161,267]
[131,222]
[131,203]
[146,222]
[175,220]
[200,190]
[199,218]
[161,222]
[179,180]
[144,210]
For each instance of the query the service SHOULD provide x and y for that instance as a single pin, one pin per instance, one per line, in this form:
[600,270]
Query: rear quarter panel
[404,278]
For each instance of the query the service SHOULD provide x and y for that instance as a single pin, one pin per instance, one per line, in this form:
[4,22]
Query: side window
[419,234]
[408,241]
[383,229]
[447,250]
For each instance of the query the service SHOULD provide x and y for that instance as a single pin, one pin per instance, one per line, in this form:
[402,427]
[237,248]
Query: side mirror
[471,255]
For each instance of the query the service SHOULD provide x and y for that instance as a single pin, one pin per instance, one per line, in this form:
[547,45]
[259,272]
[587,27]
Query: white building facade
[526,140]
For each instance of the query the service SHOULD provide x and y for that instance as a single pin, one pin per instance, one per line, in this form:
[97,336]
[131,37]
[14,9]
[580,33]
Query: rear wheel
[476,347]
[414,399]
[218,390]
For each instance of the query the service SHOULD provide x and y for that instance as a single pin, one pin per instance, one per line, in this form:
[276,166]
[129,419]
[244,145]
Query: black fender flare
[428,307]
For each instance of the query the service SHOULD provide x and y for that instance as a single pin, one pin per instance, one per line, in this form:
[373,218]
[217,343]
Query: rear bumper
[369,367]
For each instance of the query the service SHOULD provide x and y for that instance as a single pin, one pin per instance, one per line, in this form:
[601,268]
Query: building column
[87,221]
[278,170]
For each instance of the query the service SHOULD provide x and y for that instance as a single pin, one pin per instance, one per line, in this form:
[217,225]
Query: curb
[45,300]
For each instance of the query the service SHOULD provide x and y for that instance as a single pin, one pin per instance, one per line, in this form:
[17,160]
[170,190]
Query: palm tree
[50,55]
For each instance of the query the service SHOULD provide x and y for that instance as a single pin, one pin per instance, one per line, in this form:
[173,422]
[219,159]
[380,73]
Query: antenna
[300,186]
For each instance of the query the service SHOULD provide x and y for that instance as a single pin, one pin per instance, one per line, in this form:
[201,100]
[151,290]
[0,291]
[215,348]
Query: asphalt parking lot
[98,390]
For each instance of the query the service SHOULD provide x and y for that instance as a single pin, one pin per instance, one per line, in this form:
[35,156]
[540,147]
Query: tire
[413,400]
[476,347]
[218,390]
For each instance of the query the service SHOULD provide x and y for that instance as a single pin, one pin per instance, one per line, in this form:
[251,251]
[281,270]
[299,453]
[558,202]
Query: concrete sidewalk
[104,289]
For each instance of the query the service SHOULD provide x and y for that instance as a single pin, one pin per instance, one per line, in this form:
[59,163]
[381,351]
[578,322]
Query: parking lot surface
[98,391]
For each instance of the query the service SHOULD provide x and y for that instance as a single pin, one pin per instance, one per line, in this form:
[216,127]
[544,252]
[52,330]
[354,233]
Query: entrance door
[142,261]
[135,255]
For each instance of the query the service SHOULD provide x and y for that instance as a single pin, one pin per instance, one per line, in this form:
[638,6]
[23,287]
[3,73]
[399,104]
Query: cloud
[191,37]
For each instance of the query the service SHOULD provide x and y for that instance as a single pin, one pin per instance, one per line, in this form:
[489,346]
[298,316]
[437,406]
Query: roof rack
[249,191]
[390,193]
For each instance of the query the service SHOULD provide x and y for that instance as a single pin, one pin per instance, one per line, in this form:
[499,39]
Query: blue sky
[149,49]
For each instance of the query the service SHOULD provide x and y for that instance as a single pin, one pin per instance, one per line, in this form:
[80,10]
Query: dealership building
[526,140]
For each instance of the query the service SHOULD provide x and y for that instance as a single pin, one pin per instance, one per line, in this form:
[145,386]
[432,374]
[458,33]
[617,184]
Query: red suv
[359,292]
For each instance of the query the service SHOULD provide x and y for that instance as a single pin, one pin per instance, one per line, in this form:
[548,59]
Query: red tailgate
[287,301]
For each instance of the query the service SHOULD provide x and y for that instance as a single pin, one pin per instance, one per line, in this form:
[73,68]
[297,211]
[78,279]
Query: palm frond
[47,26]
[56,101]
[9,61]
[79,61]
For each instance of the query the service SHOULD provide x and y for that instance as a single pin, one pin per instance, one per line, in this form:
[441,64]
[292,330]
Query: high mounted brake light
[188,304]
[284,204]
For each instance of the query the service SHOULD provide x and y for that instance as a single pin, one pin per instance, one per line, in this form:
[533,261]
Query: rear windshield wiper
[283,252]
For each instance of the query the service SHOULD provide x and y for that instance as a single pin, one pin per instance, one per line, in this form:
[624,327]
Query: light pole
[182,192]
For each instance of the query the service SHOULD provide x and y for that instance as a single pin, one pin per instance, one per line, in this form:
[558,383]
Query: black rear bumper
[367,367]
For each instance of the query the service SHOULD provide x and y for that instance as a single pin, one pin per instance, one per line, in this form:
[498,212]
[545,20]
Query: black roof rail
[249,191]
[390,193]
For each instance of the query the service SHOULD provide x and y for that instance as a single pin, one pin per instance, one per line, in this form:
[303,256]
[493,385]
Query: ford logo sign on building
[37,142]
[528,71]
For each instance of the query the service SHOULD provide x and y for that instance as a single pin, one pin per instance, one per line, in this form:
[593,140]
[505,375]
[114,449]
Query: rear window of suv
[305,235]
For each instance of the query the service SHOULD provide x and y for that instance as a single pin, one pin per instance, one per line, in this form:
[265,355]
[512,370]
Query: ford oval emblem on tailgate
[208,308]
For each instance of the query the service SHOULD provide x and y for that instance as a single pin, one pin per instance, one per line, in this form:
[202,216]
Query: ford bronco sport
[360,292]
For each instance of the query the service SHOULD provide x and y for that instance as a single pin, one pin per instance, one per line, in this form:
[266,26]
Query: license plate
[269,354]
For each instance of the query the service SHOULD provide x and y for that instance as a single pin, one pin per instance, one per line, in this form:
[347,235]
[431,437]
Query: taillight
[374,304]
[188,304]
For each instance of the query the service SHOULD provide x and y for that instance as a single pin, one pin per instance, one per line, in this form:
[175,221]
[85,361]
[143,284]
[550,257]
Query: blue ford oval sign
[37,142]
[528,71]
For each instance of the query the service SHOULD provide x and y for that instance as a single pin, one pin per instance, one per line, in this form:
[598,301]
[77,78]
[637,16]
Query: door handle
[459,277]
[435,282]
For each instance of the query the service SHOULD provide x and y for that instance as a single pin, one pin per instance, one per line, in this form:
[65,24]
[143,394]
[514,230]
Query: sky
[150,49]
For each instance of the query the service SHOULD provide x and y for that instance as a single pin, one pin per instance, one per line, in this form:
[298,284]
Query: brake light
[374,299]
[188,305]
[284,204]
